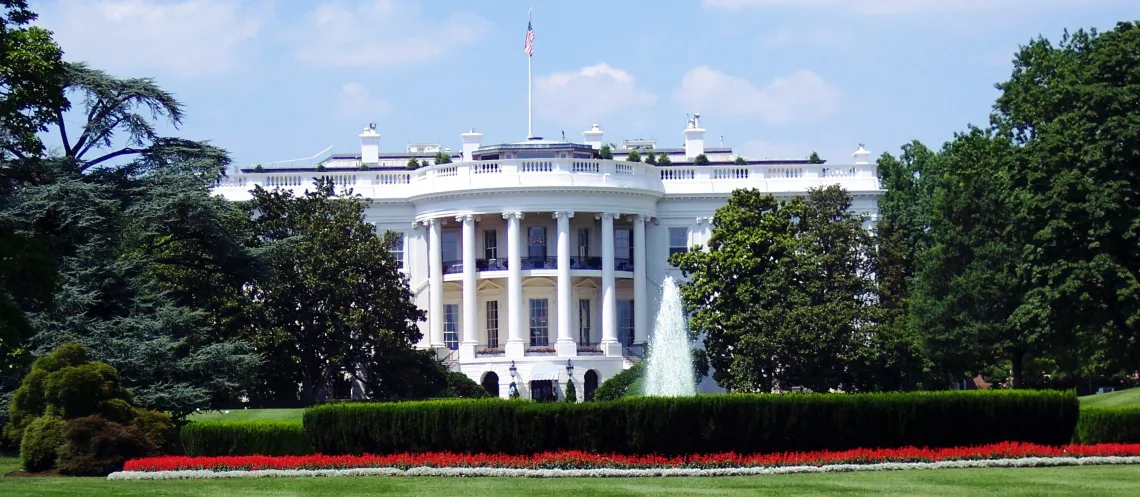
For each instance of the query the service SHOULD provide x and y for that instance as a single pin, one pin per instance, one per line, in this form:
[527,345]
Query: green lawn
[250,415]
[1096,480]
[1123,398]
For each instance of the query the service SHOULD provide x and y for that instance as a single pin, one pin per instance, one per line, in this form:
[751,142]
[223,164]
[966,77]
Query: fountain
[669,368]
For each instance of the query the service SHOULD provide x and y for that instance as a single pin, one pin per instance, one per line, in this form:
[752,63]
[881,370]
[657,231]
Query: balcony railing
[529,263]
[452,267]
[539,263]
[497,264]
[623,264]
[579,262]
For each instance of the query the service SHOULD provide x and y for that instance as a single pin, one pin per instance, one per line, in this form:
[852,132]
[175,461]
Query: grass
[1123,398]
[1092,480]
[250,415]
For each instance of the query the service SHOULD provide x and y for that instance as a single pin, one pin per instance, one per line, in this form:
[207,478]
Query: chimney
[593,137]
[471,142]
[370,145]
[861,156]
[694,138]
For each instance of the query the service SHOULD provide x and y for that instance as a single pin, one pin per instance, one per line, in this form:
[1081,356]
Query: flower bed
[574,463]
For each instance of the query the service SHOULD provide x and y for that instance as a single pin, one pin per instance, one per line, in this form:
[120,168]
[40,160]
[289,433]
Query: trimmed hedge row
[1108,425]
[240,438]
[703,424]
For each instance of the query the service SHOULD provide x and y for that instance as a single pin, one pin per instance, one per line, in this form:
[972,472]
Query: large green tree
[784,295]
[335,302]
[1074,111]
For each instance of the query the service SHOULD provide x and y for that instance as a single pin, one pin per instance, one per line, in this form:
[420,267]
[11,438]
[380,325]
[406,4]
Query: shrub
[97,447]
[231,438]
[1108,425]
[43,437]
[617,386]
[702,424]
[158,429]
[571,392]
[459,385]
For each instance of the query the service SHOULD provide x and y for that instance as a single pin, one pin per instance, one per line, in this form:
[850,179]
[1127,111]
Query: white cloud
[784,36]
[189,38]
[802,94]
[586,96]
[871,6]
[382,32]
[354,99]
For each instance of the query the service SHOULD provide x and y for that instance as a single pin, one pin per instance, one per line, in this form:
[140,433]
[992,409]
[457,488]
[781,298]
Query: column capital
[702,220]
[429,222]
[465,217]
[643,218]
[509,215]
[607,215]
[566,214]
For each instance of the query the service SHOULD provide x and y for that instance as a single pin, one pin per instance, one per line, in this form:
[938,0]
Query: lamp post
[569,368]
[514,370]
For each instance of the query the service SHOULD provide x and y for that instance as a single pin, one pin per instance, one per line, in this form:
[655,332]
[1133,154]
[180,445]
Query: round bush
[97,447]
[43,438]
[618,386]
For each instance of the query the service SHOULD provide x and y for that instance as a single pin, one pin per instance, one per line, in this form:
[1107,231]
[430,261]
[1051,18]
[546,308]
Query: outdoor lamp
[514,370]
[569,368]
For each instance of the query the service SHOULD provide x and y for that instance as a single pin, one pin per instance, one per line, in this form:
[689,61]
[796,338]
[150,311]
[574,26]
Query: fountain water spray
[669,369]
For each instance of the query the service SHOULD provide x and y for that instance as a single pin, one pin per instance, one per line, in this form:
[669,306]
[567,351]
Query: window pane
[625,322]
[450,246]
[536,242]
[451,326]
[678,237]
[584,322]
[539,324]
[623,244]
[493,324]
[491,244]
[583,242]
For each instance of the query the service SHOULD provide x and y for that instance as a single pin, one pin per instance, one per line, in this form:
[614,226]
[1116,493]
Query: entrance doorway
[542,391]
[591,384]
[491,383]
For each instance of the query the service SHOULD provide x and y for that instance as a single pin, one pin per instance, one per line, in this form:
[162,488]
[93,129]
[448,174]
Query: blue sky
[276,80]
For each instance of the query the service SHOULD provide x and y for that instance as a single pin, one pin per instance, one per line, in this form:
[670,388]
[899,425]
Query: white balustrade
[484,167]
[785,172]
[392,179]
[678,173]
[720,173]
[537,166]
[583,166]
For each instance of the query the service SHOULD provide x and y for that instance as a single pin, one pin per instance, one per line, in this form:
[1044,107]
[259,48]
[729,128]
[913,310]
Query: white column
[435,288]
[609,344]
[470,342]
[515,346]
[640,294]
[416,250]
[565,346]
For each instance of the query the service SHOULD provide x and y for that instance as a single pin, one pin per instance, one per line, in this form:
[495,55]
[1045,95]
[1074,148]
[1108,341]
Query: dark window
[583,242]
[539,323]
[625,322]
[492,324]
[490,244]
[451,326]
[584,322]
[678,240]
[449,246]
[536,242]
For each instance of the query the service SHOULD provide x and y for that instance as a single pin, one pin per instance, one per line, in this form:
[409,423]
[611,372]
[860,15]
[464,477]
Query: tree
[663,160]
[442,157]
[701,160]
[1071,110]
[633,156]
[783,295]
[650,158]
[335,301]
[571,393]
[740,161]
[606,152]
[413,163]
[967,283]
[814,158]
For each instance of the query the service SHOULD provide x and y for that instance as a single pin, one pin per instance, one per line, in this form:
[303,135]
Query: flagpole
[529,94]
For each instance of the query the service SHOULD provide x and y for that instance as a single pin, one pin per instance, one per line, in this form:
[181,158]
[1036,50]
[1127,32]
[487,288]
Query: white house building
[537,262]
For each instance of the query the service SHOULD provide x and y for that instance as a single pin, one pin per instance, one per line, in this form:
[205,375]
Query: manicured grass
[1094,480]
[250,415]
[1122,398]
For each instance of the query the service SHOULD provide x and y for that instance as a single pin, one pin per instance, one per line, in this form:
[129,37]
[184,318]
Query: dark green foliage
[618,385]
[814,159]
[459,385]
[413,163]
[701,160]
[663,160]
[157,428]
[43,437]
[650,158]
[740,161]
[697,425]
[571,392]
[65,384]
[232,438]
[633,156]
[1108,425]
[606,152]
[442,157]
[97,447]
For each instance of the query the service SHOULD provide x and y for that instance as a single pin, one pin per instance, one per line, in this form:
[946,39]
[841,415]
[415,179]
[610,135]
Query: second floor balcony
[577,263]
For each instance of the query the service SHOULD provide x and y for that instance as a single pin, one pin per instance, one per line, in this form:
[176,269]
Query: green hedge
[703,424]
[234,438]
[1108,425]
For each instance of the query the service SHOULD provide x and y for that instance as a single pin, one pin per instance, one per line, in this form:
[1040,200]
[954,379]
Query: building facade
[538,262]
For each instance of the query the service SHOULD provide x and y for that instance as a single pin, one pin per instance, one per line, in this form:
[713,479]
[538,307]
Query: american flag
[528,47]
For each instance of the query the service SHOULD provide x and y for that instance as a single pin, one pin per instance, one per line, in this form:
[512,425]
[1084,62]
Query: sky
[278,80]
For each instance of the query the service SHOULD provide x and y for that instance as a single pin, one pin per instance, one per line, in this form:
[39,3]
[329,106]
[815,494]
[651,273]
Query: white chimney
[694,138]
[370,145]
[593,137]
[471,142]
[861,156]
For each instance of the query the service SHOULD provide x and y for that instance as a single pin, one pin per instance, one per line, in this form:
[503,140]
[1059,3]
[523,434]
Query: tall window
[584,322]
[396,248]
[536,242]
[449,246]
[625,322]
[583,242]
[451,326]
[539,324]
[490,244]
[492,324]
[678,240]
[623,243]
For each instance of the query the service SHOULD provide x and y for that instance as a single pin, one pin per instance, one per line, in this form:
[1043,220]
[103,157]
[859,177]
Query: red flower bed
[584,460]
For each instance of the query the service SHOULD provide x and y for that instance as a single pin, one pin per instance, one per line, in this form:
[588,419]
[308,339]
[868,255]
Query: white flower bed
[624,473]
